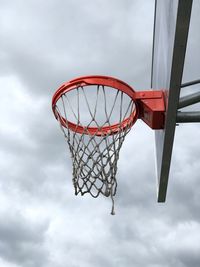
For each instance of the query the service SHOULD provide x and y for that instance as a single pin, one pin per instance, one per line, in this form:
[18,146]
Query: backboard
[171,25]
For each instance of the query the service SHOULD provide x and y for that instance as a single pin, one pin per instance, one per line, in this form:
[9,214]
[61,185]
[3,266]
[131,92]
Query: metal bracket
[151,106]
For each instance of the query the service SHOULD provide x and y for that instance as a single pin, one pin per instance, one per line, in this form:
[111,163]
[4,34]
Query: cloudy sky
[42,222]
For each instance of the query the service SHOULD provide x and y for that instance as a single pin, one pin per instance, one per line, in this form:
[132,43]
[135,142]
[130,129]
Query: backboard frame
[176,21]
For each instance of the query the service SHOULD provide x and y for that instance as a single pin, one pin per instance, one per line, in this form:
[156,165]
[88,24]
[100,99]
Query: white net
[95,149]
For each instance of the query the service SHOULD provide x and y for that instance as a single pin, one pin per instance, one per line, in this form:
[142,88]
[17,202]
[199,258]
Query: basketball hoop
[95,149]
[95,114]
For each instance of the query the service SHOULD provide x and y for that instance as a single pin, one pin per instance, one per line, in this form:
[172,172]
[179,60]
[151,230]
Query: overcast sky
[42,222]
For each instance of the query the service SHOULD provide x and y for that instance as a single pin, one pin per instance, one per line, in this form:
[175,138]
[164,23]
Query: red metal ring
[96,80]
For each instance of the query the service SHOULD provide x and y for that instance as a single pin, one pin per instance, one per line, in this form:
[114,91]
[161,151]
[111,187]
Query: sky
[42,222]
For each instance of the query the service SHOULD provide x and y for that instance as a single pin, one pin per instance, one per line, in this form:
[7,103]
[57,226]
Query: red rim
[96,80]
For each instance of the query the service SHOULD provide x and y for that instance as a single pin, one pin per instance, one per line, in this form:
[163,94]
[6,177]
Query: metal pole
[193,116]
[190,83]
[189,100]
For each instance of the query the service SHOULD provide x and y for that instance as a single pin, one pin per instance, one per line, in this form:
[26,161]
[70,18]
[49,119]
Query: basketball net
[95,148]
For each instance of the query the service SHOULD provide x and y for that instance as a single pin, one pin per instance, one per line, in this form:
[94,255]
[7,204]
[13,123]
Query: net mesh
[95,156]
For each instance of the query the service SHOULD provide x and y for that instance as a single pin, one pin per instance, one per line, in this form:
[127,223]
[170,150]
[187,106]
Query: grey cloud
[188,258]
[43,54]
[22,241]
